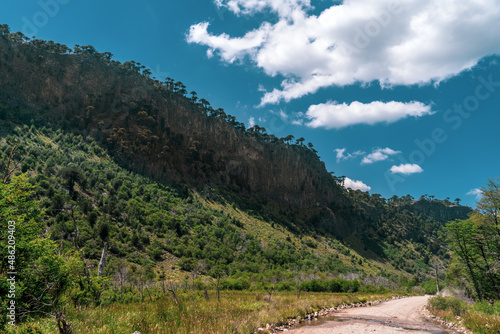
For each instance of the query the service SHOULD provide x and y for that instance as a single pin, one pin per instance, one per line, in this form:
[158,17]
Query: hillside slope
[92,109]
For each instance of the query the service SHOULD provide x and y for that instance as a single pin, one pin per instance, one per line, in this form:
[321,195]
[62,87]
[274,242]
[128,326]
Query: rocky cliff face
[156,130]
[439,211]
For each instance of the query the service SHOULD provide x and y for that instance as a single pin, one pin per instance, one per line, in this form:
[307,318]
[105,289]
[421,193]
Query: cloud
[356,185]
[406,169]
[358,41]
[476,192]
[251,122]
[379,154]
[230,49]
[284,8]
[341,156]
[334,115]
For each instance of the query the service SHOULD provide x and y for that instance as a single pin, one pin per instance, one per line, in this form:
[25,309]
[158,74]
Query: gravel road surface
[392,317]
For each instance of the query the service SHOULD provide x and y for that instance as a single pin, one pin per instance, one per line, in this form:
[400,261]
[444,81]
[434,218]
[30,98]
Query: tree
[288,139]
[205,104]
[43,273]
[10,166]
[193,96]
[72,175]
[475,243]
[4,29]
[169,83]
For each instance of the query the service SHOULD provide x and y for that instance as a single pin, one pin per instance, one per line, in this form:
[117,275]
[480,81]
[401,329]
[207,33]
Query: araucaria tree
[475,243]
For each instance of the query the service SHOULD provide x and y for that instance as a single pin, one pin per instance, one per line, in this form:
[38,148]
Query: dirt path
[392,317]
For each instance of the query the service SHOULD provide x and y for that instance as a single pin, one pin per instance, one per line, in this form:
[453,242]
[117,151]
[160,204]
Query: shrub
[457,306]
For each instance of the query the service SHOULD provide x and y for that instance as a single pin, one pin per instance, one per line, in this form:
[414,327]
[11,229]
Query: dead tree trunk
[437,278]
[102,262]
[270,291]
[172,289]
[206,295]
[218,285]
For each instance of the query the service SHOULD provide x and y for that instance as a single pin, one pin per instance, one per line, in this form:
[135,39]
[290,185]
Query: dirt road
[392,317]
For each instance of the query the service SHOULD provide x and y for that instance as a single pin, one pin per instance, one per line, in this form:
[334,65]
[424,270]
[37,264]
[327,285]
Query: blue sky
[401,97]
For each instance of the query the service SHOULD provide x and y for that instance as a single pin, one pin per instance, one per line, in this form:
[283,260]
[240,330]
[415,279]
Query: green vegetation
[482,317]
[475,249]
[161,234]
[43,275]
[475,243]
[108,241]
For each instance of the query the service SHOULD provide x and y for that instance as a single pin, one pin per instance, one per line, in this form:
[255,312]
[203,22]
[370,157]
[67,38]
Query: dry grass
[236,312]
[480,318]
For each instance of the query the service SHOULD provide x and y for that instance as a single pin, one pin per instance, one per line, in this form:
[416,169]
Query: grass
[236,312]
[481,317]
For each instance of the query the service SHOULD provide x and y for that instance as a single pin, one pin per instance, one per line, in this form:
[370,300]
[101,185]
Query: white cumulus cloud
[379,154]
[358,41]
[406,169]
[251,122]
[356,185]
[284,8]
[476,192]
[338,115]
[342,155]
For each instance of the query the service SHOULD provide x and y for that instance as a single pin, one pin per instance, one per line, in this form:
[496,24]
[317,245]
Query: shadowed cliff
[154,128]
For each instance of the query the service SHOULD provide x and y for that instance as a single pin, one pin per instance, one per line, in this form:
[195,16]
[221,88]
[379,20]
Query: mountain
[152,169]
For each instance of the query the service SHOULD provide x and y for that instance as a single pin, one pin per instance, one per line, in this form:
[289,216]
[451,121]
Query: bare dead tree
[270,291]
[72,215]
[207,297]
[173,288]
[47,300]
[298,281]
[437,277]
[102,262]
[122,273]
[218,287]
[10,166]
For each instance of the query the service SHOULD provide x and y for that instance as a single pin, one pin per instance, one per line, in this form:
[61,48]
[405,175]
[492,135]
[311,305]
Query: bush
[285,286]
[26,329]
[487,308]
[457,306]
[430,286]
[333,285]
[235,284]
[369,288]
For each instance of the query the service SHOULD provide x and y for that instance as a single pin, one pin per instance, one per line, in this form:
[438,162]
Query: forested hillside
[178,191]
